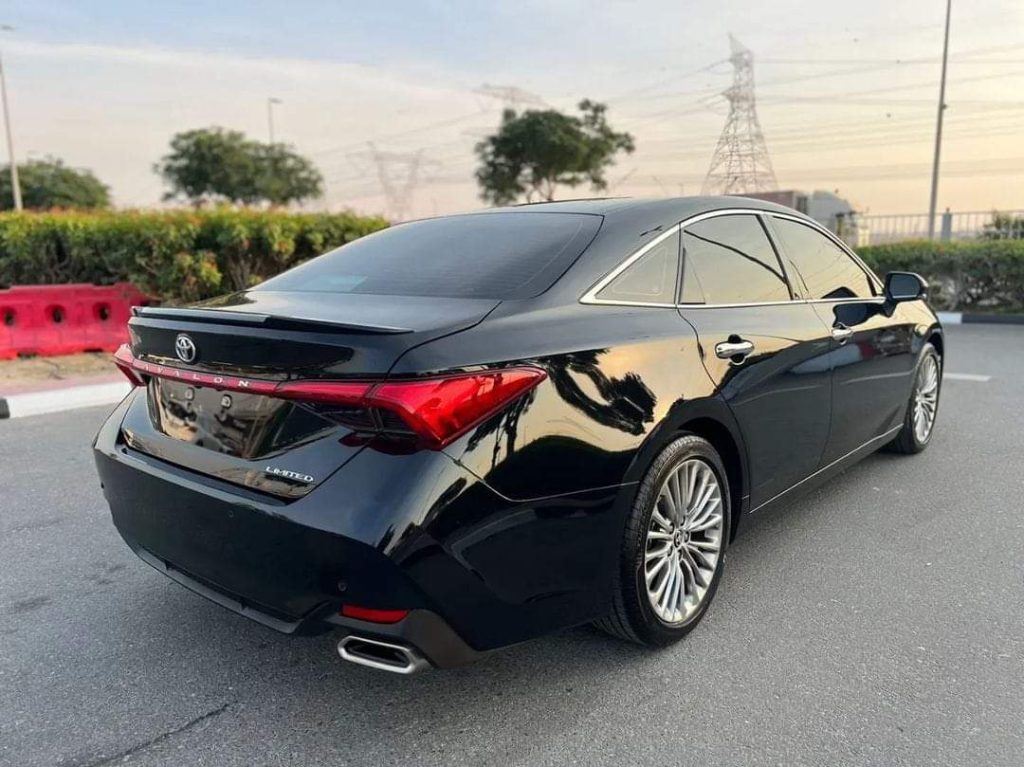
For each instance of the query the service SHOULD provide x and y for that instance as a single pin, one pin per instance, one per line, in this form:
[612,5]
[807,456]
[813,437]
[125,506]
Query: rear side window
[489,255]
[729,260]
[651,278]
[824,269]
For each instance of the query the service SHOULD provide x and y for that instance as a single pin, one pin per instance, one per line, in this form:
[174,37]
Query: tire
[634,615]
[909,440]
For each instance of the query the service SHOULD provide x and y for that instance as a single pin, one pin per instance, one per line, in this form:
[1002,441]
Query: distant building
[828,209]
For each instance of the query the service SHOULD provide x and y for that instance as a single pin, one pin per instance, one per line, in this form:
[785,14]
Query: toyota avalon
[464,432]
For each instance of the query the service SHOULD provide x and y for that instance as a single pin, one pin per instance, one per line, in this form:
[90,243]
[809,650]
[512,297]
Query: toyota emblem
[185,348]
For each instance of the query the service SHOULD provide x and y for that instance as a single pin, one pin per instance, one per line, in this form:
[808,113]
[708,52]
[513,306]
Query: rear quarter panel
[618,379]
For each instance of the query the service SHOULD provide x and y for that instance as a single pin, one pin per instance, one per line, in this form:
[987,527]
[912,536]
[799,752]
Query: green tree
[214,164]
[284,176]
[49,183]
[535,151]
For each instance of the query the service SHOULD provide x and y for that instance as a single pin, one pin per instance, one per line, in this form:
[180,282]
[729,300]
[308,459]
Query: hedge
[977,275]
[175,256]
[186,255]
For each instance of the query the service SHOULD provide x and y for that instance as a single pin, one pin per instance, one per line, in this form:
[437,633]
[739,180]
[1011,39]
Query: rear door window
[730,260]
[825,270]
[487,255]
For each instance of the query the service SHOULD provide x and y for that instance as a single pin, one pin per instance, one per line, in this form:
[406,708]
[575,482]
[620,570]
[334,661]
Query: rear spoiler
[252,319]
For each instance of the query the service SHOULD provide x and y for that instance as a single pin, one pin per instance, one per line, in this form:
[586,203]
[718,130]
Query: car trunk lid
[211,401]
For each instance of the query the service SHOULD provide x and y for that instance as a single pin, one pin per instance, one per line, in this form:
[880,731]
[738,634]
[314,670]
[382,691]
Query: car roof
[672,208]
[628,224]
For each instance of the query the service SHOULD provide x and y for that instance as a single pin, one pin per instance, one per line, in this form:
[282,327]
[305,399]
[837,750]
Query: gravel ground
[19,372]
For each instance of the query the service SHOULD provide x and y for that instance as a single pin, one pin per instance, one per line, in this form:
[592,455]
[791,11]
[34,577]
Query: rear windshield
[489,255]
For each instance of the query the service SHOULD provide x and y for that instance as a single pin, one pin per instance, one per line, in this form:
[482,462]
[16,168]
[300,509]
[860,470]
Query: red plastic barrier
[65,319]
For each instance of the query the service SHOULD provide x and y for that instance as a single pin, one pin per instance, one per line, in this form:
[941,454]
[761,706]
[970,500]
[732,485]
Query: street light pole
[938,129]
[15,183]
[270,116]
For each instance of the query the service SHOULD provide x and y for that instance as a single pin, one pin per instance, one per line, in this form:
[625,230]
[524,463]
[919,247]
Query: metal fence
[962,225]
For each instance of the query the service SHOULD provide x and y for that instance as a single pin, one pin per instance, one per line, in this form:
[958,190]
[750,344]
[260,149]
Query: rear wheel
[674,547]
[923,406]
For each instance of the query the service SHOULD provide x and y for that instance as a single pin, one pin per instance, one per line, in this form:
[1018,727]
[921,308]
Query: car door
[872,354]
[766,352]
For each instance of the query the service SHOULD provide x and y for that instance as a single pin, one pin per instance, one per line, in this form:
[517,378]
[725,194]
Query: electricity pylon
[740,163]
[399,174]
[511,96]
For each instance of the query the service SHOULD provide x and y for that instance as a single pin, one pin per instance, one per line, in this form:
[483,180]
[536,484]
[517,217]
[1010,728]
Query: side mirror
[904,286]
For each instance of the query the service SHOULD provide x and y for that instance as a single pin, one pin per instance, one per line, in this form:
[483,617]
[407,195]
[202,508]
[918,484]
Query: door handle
[841,333]
[730,349]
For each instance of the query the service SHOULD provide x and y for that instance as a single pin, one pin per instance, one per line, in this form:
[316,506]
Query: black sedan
[465,432]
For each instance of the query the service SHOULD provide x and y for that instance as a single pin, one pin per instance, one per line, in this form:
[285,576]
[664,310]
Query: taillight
[436,409]
[327,392]
[441,409]
[123,359]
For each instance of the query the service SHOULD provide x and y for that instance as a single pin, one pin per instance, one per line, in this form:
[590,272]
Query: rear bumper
[288,577]
[422,629]
[415,532]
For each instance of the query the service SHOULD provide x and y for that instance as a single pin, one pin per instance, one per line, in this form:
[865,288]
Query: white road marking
[967,377]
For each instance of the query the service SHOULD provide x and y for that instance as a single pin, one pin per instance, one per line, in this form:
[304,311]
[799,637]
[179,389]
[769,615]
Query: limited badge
[292,475]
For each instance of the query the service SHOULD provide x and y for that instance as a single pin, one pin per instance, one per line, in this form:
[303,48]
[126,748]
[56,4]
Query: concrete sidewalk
[51,384]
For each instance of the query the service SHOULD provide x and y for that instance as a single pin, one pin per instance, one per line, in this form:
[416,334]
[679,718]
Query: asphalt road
[877,621]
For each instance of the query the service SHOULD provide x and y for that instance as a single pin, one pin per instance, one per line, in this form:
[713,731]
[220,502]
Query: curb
[967,318]
[56,400]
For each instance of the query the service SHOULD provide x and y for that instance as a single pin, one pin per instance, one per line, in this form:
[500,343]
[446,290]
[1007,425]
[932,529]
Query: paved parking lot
[877,621]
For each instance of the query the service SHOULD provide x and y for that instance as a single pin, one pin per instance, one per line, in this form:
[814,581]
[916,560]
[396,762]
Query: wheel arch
[728,448]
[935,339]
[711,419]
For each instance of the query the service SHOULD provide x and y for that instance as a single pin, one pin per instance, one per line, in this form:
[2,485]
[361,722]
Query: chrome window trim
[590,297]
[872,300]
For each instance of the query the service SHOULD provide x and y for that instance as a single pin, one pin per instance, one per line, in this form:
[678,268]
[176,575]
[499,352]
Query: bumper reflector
[372,615]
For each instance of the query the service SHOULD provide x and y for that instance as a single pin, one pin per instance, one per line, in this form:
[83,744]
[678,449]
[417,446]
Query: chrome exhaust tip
[383,656]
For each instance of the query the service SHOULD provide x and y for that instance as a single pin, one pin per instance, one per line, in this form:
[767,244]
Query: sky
[847,93]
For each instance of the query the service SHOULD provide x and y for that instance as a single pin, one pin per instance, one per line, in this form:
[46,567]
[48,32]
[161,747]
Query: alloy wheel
[684,541]
[926,398]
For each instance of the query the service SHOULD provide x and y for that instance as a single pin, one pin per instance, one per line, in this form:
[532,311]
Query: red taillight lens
[123,359]
[441,409]
[327,392]
[437,410]
[373,615]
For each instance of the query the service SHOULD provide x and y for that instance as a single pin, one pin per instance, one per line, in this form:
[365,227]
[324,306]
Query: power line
[958,55]
[511,96]
[835,134]
[872,172]
[842,97]
[699,106]
[829,136]
[841,133]
[400,134]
